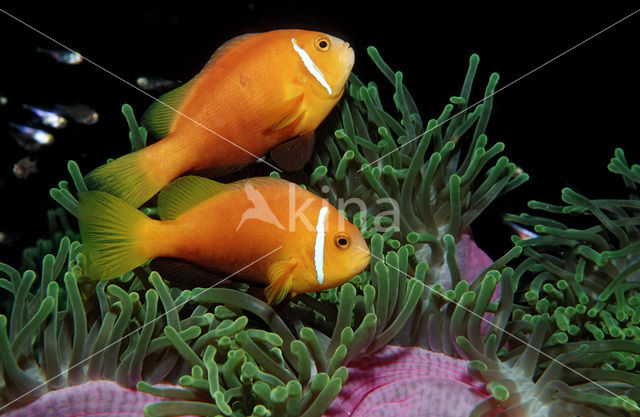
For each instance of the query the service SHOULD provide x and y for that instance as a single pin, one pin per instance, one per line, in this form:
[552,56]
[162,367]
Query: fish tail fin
[127,177]
[111,233]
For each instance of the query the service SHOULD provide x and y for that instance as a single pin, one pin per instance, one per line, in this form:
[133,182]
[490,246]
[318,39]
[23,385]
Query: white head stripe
[311,66]
[318,255]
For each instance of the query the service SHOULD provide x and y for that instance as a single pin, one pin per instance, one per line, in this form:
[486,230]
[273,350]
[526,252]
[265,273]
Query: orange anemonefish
[226,228]
[256,93]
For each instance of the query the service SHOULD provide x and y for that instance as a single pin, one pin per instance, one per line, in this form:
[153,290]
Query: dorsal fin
[186,192]
[226,47]
[161,115]
[260,182]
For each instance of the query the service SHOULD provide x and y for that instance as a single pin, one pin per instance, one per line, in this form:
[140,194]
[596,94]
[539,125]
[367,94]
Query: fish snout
[346,55]
[362,258]
[349,56]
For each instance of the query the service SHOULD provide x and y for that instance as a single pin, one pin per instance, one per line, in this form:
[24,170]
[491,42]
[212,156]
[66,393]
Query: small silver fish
[30,138]
[148,84]
[63,56]
[25,167]
[517,171]
[6,238]
[80,113]
[521,231]
[48,118]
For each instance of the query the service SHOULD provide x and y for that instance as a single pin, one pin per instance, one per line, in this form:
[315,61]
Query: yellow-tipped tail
[110,230]
[127,178]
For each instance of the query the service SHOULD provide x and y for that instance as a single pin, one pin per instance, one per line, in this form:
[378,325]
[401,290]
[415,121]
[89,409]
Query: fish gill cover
[568,297]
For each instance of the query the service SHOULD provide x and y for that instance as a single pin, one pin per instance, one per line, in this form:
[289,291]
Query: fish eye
[322,43]
[342,241]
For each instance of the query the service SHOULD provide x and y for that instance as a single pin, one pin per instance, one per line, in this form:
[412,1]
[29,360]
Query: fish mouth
[362,261]
[348,57]
[345,51]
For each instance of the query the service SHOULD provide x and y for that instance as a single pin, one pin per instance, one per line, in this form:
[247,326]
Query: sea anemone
[436,182]
[432,309]
[65,332]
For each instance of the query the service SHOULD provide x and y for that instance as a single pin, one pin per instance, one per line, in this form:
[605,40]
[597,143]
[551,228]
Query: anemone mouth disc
[407,381]
[93,397]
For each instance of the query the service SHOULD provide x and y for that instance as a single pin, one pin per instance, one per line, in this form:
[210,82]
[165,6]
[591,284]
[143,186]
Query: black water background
[560,124]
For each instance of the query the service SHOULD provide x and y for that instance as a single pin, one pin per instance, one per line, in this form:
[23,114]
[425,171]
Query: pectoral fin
[281,280]
[294,154]
[284,115]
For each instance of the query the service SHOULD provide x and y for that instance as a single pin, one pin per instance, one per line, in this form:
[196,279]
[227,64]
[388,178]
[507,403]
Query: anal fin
[215,172]
[294,154]
[184,273]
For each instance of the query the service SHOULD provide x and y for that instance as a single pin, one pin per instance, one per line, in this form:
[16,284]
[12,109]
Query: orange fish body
[262,229]
[256,92]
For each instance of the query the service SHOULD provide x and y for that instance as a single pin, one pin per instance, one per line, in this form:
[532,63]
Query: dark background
[560,124]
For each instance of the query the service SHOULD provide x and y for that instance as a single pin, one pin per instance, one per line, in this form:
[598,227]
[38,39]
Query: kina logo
[260,210]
